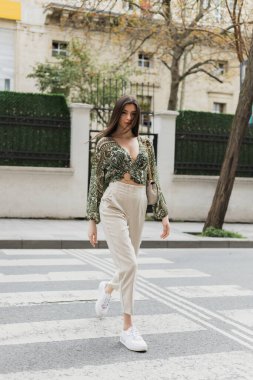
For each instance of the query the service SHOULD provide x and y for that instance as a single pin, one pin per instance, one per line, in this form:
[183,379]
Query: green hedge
[36,105]
[204,121]
[201,140]
[34,130]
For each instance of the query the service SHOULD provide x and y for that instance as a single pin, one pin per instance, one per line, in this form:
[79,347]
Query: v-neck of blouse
[125,150]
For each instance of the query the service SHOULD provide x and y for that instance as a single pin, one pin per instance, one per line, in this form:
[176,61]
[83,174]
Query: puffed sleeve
[160,208]
[96,185]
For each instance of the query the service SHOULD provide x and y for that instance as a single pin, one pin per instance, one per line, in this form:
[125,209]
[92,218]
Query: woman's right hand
[92,232]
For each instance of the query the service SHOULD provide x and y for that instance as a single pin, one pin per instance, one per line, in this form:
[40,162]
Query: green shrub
[215,232]
[35,105]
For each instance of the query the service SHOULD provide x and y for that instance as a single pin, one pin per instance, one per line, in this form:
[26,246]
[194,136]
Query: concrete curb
[80,244]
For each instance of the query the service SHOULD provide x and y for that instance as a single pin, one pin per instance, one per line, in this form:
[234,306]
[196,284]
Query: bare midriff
[127,179]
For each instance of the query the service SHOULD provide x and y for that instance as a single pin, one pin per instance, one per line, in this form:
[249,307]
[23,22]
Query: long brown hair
[117,112]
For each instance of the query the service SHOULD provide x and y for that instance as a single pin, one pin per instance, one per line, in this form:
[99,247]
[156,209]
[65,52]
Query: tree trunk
[225,183]
[174,83]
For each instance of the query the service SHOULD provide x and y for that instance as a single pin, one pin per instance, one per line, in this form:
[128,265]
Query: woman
[117,197]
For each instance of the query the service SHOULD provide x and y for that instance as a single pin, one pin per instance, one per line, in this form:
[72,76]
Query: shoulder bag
[151,186]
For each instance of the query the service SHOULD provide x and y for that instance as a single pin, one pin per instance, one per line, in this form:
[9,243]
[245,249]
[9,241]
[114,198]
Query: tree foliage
[184,36]
[79,76]
[188,37]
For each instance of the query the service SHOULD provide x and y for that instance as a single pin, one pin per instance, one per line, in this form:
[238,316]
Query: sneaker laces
[135,333]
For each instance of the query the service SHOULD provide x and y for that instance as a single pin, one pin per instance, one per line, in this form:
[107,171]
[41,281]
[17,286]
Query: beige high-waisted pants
[122,212]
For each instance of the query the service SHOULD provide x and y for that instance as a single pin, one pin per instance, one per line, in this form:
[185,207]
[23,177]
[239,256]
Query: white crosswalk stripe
[148,260]
[33,252]
[60,330]
[25,298]
[39,262]
[180,319]
[165,273]
[54,276]
[244,316]
[211,291]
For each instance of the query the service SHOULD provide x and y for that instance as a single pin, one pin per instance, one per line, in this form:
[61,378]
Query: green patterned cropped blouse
[111,162]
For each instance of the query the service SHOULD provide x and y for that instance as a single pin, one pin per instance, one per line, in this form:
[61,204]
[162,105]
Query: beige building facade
[36,30]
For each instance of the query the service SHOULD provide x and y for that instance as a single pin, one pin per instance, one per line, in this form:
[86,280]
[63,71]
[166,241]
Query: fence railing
[200,149]
[34,134]
[34,142]
[103,94]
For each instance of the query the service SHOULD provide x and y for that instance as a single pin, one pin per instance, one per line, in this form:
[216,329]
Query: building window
[219,107]
[145,102]
[59,48]
[144,60]
[221,68]
[128,6]
[7,58]
[7,84]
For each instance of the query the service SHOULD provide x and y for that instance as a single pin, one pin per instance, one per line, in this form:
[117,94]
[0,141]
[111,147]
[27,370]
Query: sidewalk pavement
[59,234]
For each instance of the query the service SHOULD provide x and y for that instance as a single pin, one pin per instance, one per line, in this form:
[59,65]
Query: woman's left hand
[166,227]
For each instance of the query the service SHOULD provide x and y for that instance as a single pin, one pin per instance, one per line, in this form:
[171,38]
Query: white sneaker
[133,340]
[103,301]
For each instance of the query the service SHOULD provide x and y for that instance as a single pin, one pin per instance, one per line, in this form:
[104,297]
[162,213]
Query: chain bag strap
[151,186]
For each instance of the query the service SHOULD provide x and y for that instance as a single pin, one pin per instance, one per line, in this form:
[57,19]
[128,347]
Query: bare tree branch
[235,15]
[136,49]
[197,18]
[205,72]
[166,7]
[192,69]
[166,64]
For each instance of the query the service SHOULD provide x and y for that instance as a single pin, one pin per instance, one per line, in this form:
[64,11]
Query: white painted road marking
[210,291]
[33,252]
[97,251]
[244,316]
[24,298]
[39,262]
[234,365]
[61,330]
[148,260]
[53,276]
[187,308]
[169,273]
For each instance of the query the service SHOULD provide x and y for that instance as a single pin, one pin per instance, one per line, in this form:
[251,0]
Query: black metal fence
[103,94]
[34,130]
[201,144]
[34,142]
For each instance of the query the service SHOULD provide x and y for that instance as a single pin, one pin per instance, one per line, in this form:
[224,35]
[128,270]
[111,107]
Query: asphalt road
[193,307]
